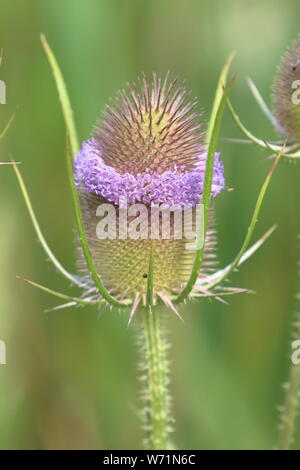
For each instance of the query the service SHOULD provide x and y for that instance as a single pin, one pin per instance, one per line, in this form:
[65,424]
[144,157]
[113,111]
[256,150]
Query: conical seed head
[148,148]
[152,127]
[285,95]
[123,264]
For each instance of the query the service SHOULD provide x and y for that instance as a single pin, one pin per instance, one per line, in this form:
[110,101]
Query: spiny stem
[291,406]
[292,400]
[155,377]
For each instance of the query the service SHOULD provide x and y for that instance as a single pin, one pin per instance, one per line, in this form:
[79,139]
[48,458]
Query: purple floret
[176,186]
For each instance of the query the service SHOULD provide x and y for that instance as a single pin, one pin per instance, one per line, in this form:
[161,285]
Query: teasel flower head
[285,94]
[148,148]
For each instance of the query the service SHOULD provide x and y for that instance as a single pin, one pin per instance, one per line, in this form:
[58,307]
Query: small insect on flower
[296,65]
[286,92]
[148,150]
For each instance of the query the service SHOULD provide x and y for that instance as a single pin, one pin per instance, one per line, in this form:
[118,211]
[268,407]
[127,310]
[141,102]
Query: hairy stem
[155,379]
[292,399]
[291,404]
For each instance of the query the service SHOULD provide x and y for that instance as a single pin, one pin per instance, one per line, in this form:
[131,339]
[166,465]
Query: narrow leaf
[83,239]
[252,225]
[38,231]
[77,300]
[212,147]
[7,127]
[263,105]
[221,294]
[262,143]
[218,95]
[208,280]
[63,96]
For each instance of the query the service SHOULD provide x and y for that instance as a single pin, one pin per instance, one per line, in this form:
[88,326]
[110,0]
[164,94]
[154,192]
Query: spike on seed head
[150,127]
[285,96]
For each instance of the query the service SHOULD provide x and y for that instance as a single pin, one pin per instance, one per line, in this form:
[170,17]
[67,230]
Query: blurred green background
[71,381]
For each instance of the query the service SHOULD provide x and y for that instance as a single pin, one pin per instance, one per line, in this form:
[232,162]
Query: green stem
[292,399]
[291,403]
[155,377]
[290,409]
[63,96]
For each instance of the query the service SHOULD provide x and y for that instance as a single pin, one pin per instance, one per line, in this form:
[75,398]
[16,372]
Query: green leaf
[212,147]
[9,163]
[245,131]
[73,139]
[38,231]
[61,296]
[8,125]
[262,104]
[63,96]
[218,96]
[260,142]
[214,278]
[83,240]
[222,294]
[253,222]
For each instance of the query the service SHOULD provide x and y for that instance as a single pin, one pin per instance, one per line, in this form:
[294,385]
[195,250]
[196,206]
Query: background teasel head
[285,95]
[148,148]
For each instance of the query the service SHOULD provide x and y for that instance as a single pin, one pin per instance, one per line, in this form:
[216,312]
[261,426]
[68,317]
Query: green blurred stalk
[291,404]
[155,378]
